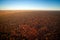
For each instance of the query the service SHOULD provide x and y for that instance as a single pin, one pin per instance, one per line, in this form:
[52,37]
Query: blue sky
[29,4]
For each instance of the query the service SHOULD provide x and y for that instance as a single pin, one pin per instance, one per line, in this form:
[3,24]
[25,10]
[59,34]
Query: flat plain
[29,25]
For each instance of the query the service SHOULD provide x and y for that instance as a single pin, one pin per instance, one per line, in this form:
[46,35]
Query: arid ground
[29,25]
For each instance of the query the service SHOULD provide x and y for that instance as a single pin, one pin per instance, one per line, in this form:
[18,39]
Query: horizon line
[31,10]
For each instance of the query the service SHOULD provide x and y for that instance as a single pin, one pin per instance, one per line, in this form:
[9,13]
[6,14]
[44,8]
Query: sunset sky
[29,4]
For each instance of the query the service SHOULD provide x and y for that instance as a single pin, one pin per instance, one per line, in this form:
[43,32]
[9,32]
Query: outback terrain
[29,25]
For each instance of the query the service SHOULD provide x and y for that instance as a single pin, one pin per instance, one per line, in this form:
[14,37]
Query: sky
[29,4]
